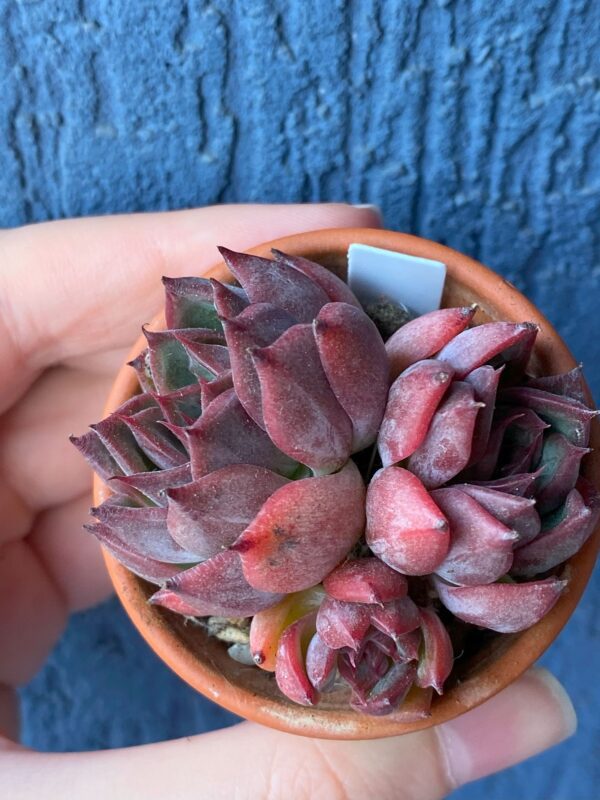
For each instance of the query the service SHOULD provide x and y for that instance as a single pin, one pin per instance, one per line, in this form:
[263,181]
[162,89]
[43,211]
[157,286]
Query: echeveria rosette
[357,500]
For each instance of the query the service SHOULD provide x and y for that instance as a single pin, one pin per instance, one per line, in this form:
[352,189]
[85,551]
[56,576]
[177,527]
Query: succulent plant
[344,505]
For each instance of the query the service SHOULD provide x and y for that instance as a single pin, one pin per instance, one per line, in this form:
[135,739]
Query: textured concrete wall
[470,122]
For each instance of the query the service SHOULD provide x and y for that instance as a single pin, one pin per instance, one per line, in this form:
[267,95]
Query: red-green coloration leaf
[501,607]
[189,303]
[354,360]
[152,485]
[518,485]
[560,464]
[395,618]
[570,384]
[205,360]
[229,301]
[486,466]
[336,290]
[517,356]
[365,580]
[181,407]
[216,587]
[119,441]
[168,360]
[480,546]
[408,646]
[476,346]
[226,435]
[341,624]
[517,513]
[91,447]
[564,534]
[142,370]
[300,411]
[259,325]
[413,400]
[321,664]
[405,528]
[362,673]
[210,513]
[290,670]
[299,535]
[275,282]
[424,336]
[135,404]
[437,657]
[209,390]
[446,449]
[142,565]
[385,643]
[154,439]
[566,416]
[268,625]
[389,692]
[484,381]
[143,531]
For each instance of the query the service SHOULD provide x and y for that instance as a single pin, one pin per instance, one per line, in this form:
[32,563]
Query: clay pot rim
[523,649]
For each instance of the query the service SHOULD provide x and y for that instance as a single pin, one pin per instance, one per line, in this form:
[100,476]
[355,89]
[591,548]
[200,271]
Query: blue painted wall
[473,123]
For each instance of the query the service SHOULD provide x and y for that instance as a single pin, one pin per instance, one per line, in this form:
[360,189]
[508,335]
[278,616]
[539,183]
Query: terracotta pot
[203,662]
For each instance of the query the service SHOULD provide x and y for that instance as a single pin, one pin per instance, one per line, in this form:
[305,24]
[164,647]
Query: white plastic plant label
[416,282]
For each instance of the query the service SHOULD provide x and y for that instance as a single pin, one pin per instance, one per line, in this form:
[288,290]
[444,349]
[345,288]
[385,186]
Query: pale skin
[72,297]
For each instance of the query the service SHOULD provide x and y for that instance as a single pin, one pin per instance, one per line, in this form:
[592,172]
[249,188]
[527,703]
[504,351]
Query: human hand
[72,297]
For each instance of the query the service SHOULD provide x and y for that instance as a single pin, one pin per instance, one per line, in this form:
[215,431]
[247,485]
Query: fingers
[67,287]
[250,761]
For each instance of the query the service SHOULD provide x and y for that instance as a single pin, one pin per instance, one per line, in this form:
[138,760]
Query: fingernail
[369,207]
[531,715]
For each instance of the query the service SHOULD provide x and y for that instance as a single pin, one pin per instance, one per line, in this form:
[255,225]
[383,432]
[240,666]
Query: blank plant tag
[416,282]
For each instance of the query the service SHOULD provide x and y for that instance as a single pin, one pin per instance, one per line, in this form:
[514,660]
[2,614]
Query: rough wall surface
[473,123]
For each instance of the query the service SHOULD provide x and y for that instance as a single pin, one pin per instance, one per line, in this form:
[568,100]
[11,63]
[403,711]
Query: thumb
[249,761]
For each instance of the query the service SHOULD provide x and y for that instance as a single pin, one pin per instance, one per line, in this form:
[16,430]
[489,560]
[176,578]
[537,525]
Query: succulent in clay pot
[348,514]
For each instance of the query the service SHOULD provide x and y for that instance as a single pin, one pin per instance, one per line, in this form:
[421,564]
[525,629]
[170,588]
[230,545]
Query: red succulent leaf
[362,672]
[501,607]
[560,463]
[297,537]
[143,531]
[275,282]
[321,664]
[520,485]
[94,451]
[412,402]
[181,407]
[424,336]
[437,658]
[480,546]
[342,624]
[389,691]
[396,618]
[154,439]
[564,533]
[365,580]
[336,290]
[214,587]
[142,369]
[385,643]
[205,360]
[354,360]
[259,325]
[189,303]
[210,513]
[229,301]
[142,565]
[152,485]
[486,465]
[120,443]
[476,346]
[570,384]
[446,449]
[408,646]
[211,389]
[405,528]
[290,669]
[484,381]
[268,625]
[567,416]
[135,404]
[226,435]
[300,411]
[517,513]
[522,444]
[168,360]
